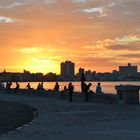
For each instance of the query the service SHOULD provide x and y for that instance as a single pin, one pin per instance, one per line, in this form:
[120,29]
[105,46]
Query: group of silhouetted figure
[9,84]
[40,86]
[68,90]
[85,89]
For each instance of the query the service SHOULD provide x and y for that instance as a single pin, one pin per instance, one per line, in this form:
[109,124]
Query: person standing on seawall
[86,92]
[83,79]
[70,89]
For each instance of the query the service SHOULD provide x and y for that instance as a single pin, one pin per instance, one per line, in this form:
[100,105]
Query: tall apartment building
[67,70]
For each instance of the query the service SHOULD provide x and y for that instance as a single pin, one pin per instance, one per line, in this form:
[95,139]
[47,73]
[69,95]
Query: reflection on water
[107,87]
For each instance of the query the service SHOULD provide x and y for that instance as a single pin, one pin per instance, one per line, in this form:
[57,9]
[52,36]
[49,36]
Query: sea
[107,87]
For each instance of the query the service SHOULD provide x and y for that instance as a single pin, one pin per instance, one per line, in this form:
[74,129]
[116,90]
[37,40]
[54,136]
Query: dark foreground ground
[60,119]
[13,115]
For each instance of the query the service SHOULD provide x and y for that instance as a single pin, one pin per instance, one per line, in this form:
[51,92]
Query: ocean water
[107,87]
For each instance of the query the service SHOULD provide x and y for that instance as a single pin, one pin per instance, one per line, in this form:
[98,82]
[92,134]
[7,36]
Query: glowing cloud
[78,1]
[92,10]
[4,19]
[29,50]
[128,39]
[49,2]
[11,4]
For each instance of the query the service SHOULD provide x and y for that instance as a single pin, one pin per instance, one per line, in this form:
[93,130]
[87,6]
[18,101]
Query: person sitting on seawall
[64,91]
[17,87]
[56,87]
[98,89]
[8,85]
[1,87]
[40,86]
[28,86]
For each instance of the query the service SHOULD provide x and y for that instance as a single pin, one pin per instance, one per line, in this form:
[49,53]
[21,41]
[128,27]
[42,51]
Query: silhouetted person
[70,89]
[83,79]
[86,91]
[17,87]
[28,86]
[8,86]
[98,89]
[64,91]
[1,85]
[39,86]
[56,87]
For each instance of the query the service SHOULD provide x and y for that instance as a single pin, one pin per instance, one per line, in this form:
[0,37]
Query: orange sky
[37,35]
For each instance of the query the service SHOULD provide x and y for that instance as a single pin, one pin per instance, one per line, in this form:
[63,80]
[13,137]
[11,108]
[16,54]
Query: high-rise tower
[67,70]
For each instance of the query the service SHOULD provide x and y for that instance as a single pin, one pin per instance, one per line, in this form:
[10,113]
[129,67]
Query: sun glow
[44,66]
[38,35]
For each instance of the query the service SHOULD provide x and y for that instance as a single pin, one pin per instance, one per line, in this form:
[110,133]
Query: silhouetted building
[125,73]
[51,76]
[67,70]
[128,71]
[26,72]
[81,71]
[89,75]
[79,74]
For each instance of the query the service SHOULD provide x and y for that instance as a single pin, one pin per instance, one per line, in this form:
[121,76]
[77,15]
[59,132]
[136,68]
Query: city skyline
[68,67]
[124,73]
[100,35]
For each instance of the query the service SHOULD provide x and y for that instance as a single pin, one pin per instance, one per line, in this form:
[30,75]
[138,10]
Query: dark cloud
[134,55]
[123,47]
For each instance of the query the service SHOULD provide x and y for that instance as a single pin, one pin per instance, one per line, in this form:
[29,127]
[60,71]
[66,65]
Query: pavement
[78,120]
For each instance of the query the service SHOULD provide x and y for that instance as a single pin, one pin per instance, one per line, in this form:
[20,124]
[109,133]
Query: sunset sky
[37,35]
